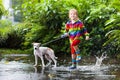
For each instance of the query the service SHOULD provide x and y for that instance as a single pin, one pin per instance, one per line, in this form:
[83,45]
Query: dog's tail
[56,57]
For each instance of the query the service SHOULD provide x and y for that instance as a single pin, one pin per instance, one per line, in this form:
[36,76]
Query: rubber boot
[73,64]
[78,56]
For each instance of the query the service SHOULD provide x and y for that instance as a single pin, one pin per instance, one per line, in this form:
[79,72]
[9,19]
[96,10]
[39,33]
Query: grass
[16,51]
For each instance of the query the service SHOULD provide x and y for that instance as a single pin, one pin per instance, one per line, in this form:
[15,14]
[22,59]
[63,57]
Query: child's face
[73,15]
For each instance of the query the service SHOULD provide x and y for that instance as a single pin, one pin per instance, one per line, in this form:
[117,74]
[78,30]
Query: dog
[40,51]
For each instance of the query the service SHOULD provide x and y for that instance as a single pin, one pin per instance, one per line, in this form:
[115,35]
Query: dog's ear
[33,43]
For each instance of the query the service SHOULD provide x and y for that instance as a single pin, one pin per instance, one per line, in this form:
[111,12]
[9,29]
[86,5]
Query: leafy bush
[1,10]
[5,29]
[113,29]
[44,21]
[12,36]
[53,14]
[50,14]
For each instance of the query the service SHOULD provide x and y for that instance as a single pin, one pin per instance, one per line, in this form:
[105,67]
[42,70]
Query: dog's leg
[55,62]
[36,60]
[51,55]
[48,63]
[43,64]
[49,59]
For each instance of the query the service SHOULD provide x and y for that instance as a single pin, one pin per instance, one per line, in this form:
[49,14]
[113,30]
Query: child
[75,30]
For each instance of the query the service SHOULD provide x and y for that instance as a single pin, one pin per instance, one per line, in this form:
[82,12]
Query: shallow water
[20,67]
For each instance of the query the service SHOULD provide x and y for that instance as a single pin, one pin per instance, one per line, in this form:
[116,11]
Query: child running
[75,29]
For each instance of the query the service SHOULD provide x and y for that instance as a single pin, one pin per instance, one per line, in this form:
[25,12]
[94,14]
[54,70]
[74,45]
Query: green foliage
[113,28]
[46,13]
[1,9]
[5,29]
[17,51]
[44,21]
[114,37]
[29,33]
[11,36]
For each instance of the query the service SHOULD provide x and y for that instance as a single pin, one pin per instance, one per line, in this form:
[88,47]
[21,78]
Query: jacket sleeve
[66,28]
[84,31]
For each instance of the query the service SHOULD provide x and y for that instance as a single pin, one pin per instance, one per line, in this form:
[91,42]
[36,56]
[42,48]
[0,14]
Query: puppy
[44,51]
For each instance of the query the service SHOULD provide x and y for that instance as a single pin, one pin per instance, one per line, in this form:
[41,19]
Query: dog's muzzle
[36,48]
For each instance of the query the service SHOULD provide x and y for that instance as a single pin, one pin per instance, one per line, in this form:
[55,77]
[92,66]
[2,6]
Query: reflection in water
[20,71]
[39,74]
[24,70]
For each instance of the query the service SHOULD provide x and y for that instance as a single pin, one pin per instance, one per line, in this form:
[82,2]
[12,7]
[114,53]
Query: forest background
[44,20]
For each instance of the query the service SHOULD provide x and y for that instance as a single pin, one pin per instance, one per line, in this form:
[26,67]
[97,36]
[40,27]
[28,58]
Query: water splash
[100,59]
[96,67]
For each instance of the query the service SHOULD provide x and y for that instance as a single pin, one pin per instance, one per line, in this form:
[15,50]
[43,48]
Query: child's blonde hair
[74,10]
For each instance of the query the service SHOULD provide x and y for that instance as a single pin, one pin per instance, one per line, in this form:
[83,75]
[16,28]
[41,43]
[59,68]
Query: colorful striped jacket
[76,30]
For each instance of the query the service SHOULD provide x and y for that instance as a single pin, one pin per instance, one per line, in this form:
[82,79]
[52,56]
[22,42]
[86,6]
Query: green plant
[5,29]
[1,10]
[44,20]
[46,13]
[113,29]
[15,51]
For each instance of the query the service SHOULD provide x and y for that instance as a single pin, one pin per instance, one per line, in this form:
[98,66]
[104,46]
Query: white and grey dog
[44,51]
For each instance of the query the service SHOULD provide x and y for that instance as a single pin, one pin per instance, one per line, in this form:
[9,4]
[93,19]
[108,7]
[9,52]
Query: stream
[20,67]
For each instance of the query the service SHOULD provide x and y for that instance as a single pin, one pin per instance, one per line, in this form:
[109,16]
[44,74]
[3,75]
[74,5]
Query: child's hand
[87,38]
[64,35]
